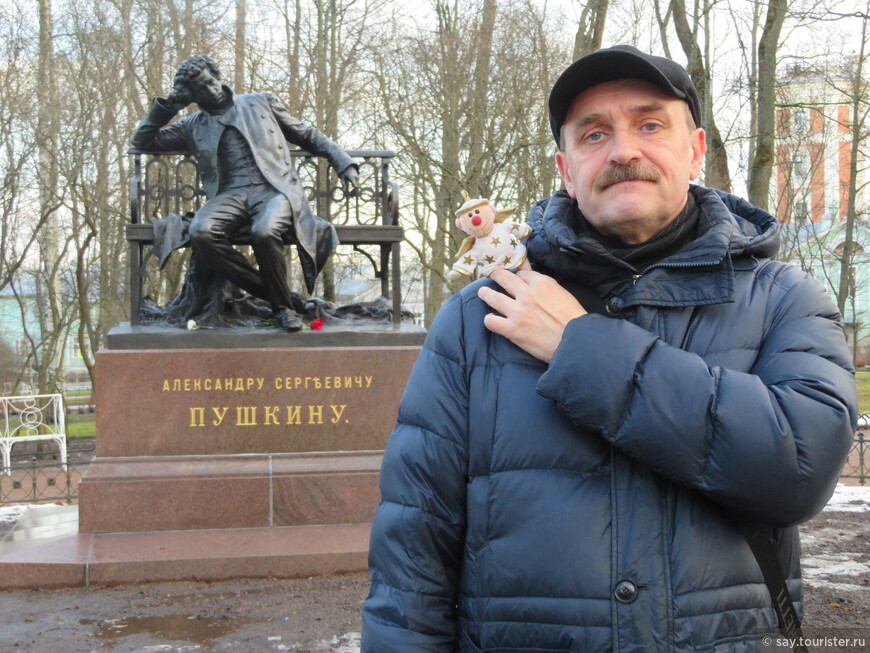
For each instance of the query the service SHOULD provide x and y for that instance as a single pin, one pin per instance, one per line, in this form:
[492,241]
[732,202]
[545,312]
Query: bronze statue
[240,142]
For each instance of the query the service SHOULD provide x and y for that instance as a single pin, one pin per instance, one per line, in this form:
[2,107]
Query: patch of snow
[837,587]
[12,512]
[834,564]
[818,570]
[849,498]
[347,643]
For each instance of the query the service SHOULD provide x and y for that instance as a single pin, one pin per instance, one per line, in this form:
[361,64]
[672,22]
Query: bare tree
[466,104]
[859,104]
[18,146]
[240,44]
[590,28]
[694,37]
[50,312]
[764,149]
[11,369]
[475,126]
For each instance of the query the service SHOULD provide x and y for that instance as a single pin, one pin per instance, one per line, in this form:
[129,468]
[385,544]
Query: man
[240,142]
[572,439]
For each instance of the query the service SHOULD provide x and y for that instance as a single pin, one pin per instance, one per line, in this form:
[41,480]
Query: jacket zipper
[635,277]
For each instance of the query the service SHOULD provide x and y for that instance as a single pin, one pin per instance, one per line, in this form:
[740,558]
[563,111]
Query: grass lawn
[863,380]
[77,397]
[80,426]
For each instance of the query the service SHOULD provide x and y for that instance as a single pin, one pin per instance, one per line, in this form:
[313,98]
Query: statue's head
[201,77]
[193,66]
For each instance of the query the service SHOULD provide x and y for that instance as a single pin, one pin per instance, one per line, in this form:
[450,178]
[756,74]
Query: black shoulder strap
[760,542]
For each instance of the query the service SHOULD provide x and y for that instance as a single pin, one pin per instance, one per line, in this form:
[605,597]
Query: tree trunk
[293,35]
[761,165]
[845,287]
[325,100]
[716,166]
[474,173]
[448,197]
[241,26]
[51,372]
[590,29]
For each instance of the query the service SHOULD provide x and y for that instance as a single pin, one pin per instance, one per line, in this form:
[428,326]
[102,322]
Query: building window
[801,121]
[73,350]
[801,211]
[800,168]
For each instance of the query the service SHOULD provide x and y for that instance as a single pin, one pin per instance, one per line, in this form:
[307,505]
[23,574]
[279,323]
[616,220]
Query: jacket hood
[728,227]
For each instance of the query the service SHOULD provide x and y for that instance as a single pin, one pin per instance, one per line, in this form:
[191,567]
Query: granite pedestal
[225,454]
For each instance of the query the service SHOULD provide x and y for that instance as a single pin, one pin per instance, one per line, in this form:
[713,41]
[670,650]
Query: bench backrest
[169,182]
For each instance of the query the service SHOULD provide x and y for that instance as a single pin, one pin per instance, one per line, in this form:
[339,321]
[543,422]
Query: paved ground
[315,614]
[319,615]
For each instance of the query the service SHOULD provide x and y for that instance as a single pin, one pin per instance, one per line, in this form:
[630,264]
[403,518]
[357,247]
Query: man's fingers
[525,266]
[529,276]
[532,314]
[508,280]
[494,299]
[495,323]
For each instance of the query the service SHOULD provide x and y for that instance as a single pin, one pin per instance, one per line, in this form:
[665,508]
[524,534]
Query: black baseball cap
[619,62]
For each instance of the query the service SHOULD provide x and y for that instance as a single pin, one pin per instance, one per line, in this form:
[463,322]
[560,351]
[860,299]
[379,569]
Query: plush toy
[493,241]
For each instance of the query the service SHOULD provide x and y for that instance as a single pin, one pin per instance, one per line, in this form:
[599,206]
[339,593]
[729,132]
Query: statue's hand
[350,181]
[179,97]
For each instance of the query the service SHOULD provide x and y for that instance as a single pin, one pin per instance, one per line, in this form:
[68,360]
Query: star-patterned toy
[493,241]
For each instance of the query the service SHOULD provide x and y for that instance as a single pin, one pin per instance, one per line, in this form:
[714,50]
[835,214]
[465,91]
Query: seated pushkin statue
[240,143]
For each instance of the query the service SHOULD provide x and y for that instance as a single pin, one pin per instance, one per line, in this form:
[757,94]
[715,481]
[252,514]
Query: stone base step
[117,558]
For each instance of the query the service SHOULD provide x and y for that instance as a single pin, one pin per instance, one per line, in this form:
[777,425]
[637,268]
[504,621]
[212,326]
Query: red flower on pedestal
[317,324]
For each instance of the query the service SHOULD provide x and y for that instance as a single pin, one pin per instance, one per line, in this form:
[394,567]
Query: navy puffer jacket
[578,506]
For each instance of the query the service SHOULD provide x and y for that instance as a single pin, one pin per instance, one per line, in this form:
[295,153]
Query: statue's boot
[288,319]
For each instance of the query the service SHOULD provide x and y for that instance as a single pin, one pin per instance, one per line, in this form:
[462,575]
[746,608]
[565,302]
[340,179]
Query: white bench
[31,418]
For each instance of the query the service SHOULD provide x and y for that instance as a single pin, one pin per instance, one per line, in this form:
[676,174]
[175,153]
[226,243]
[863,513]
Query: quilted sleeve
[769,443]
[419,526]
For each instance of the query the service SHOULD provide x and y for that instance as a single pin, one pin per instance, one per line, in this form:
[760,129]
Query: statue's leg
[271,216]
[210,231]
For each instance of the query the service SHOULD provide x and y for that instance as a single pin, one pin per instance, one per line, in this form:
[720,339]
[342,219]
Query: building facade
[814,146]
[816,166]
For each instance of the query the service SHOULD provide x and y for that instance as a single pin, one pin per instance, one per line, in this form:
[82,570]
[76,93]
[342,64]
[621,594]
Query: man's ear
[698,140]
[562,165]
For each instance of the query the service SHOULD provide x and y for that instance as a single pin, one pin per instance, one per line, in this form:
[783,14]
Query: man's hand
[179,97]
[350,180]
[534,314]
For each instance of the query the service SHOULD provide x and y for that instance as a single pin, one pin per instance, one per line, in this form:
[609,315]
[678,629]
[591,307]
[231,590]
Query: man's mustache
[631,172]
